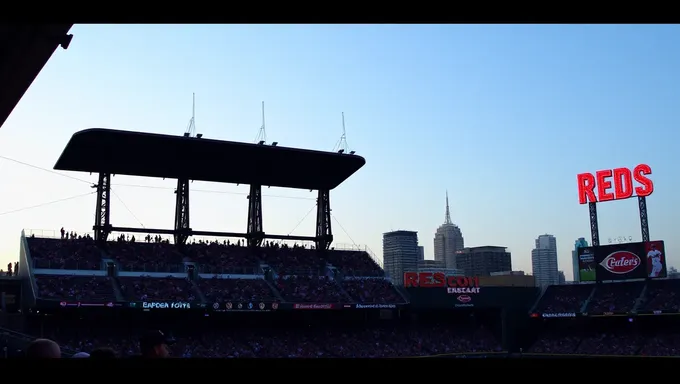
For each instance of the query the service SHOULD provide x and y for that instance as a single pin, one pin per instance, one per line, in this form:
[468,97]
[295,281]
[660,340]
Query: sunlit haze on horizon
[503,117]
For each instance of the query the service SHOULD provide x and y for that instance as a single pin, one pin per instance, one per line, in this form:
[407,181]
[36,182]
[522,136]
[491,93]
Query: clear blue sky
[504,117]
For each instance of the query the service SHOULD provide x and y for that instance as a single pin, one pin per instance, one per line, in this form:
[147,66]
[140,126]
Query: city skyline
[472,118]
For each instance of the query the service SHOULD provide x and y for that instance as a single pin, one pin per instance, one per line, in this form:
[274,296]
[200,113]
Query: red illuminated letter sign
[616,184]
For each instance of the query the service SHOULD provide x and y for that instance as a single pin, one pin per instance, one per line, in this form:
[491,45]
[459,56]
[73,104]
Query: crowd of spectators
[662,345]
[224,257]
[152,255]
[75,288]
[310,289]
[218,290]
[355,263]
[615,297]
[607,343]
[299,273]
[292,260]
[77,252]
[662,295]
[302,342]
[157,289]
[376,291]
[564,298]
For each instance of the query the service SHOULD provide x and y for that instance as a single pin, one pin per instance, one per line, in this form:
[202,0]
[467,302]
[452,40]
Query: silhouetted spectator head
[155,345]
[43,349]
[103,353]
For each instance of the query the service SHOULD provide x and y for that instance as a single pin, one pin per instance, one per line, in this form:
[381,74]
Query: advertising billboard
[656,259]
[586,264]
[630,261]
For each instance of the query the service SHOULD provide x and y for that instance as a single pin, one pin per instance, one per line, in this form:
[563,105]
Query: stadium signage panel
[375,306]
[245,307]
[453,284]
[614,184]
[314,306]
[555,315]
[166,305]
[623,261]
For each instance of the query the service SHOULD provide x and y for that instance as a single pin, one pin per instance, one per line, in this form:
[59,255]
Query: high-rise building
[421,253]
[400,254]
[579,243]
[544,261]
[561,279]
[448,240]
[483,261]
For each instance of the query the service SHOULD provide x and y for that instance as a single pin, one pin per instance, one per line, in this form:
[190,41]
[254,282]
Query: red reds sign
[614,184]
[621,262]
[453,284]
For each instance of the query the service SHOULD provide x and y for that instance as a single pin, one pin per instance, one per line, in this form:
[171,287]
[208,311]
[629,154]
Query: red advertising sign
[614,184]
[453,284]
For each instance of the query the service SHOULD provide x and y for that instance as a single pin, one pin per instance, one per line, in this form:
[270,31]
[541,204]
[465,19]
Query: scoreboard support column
[594,229]
[644,225]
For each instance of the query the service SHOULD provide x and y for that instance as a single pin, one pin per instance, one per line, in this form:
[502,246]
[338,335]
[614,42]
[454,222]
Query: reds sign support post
[598,188]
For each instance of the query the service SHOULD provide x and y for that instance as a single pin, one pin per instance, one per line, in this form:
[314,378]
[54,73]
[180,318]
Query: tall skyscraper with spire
[448,240]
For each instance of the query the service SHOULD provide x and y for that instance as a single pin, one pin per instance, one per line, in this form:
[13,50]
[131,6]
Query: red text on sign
[438,280]
[614,184]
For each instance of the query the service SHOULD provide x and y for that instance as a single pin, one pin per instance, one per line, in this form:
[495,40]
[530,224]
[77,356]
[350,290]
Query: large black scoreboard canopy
[24,51]
[117,152]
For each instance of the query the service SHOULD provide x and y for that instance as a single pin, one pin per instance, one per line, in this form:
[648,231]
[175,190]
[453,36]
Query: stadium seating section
[299,273]
[298,343]
[229,272]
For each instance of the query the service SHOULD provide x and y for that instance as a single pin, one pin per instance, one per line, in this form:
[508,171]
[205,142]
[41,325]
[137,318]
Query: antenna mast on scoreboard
[262,135]
[342,145]
[191,128]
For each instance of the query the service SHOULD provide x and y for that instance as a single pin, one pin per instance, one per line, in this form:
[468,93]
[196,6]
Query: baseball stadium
[156,292]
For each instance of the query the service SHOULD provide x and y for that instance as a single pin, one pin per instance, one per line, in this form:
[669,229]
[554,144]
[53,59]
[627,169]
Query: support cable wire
[46,170]
[343,230]
[148,186]
[127,208]
[303,219]
[45,204]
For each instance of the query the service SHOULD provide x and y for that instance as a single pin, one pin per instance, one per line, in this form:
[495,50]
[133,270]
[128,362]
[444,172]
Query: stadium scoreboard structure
[109,152]
[597,188]
[645,259]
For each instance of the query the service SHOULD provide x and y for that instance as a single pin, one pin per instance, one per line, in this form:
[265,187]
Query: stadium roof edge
[102,150]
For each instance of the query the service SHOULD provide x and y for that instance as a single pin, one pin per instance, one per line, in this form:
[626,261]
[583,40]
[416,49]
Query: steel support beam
[594,229]
[182,228]
[102,216]
[644,224]
[324,234]
[255,233]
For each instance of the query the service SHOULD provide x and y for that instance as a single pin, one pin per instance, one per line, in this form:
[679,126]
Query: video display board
[623,261]
[586,264]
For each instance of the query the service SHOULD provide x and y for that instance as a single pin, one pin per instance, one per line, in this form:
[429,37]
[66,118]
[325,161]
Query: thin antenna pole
[343,125]
[342,143]
[262,134]
[191,128]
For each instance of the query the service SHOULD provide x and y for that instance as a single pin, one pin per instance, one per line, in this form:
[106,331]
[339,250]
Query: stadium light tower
[182,224]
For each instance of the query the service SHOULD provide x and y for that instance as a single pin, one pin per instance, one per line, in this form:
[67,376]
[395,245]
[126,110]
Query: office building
[544,261]
[400,254]
[483,261]
[421,253]
[448,240]
[580,243]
